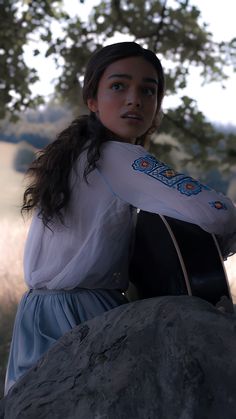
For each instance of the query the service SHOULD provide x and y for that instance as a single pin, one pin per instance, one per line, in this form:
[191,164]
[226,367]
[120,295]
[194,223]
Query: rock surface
[160,358]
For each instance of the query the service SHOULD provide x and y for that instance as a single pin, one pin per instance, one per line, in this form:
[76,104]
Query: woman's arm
[141,180]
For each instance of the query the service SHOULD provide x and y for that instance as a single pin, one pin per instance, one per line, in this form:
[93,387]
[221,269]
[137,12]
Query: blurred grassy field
[13,227]
[12,238]
[13,233]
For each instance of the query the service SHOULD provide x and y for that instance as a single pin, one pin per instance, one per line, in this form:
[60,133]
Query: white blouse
[92,250]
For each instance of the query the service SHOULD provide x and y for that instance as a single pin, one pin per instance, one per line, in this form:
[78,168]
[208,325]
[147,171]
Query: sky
[217,103]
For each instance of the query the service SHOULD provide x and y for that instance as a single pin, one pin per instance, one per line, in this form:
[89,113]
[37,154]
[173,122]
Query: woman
[84,191]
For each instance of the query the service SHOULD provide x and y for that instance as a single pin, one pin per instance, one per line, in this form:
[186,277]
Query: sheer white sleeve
[137,177]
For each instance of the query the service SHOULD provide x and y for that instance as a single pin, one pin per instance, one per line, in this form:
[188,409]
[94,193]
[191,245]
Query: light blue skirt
[43,316]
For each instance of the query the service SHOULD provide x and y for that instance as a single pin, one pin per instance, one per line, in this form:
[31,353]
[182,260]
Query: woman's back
[93,245]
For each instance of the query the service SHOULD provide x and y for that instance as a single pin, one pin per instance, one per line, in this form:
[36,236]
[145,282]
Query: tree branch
[183,128]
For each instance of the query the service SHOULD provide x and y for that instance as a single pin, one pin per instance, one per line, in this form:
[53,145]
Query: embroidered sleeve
[139,179]
[218,205]
[165,174]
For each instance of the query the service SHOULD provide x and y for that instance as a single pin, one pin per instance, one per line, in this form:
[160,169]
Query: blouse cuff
[227,244]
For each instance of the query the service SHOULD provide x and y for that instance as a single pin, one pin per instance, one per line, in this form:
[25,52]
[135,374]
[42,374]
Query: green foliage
[174,32]
[18,22]
[206,147]
[172,29]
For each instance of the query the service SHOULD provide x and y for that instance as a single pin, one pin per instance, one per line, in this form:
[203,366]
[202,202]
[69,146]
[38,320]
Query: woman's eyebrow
[127,76]
[150,80]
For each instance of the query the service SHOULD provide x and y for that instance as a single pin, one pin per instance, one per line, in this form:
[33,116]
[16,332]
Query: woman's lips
[132,115]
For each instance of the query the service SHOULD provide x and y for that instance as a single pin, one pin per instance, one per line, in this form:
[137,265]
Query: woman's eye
[149,91]
[117,86]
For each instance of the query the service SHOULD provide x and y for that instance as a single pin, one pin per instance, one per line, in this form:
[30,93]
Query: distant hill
[36,127]
[225,128]
[36,140]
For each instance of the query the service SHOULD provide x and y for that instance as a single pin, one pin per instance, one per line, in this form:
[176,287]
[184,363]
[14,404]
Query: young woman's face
[126,101]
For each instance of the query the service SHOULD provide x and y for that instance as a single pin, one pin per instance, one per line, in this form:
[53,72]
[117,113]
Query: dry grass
[12,286]
[12,236]
[12,239]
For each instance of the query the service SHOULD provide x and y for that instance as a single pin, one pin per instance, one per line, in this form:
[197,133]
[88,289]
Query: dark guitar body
[172,257]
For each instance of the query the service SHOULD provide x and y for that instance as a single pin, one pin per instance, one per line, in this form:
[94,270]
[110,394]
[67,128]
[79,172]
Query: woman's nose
[134,99]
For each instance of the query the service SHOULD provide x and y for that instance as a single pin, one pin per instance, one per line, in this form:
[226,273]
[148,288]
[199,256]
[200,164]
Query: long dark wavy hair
[49,188]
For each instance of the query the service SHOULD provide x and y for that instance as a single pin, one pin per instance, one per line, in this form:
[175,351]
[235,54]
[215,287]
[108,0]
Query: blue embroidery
[189,187]
[206,188]
[165,174]
[146,164]
[218,205]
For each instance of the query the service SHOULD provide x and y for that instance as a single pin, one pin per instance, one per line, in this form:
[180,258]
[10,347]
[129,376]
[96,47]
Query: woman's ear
[92,105]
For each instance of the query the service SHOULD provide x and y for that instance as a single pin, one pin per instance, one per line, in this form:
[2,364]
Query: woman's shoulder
[123,148]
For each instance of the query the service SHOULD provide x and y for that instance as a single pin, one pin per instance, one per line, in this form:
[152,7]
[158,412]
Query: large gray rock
[160,358]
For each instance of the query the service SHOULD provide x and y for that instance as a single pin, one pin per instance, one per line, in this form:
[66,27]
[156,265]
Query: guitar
[173,257]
